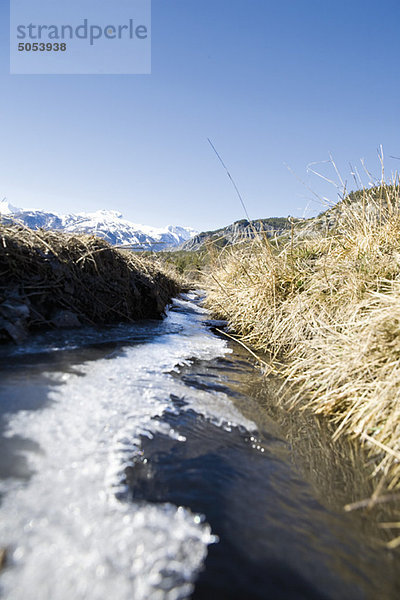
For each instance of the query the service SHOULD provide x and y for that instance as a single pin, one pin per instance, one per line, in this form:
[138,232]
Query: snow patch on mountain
[6,208]
[107,224]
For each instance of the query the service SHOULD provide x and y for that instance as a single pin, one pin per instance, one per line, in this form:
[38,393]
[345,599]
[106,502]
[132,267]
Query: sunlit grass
[325,304]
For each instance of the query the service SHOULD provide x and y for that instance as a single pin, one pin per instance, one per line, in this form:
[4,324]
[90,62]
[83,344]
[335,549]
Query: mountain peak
[6,208]
[108,214]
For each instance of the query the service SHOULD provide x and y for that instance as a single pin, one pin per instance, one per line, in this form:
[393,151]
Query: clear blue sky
[269,82]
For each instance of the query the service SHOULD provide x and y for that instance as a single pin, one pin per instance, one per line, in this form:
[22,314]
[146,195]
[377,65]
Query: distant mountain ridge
[362,202]
[107,224]
[239,230]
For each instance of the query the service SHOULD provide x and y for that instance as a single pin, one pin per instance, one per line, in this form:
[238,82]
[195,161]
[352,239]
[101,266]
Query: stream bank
[54,280]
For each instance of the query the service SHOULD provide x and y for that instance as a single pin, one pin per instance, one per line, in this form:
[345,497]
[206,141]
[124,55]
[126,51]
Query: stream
[141,462]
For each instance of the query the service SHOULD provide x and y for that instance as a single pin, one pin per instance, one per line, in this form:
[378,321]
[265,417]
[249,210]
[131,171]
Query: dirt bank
[50,279]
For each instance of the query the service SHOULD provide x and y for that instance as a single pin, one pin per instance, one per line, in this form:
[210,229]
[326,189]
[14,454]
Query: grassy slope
[327,307]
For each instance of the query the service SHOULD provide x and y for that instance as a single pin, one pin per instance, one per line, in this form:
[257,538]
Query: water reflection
[339,471]
[275,498]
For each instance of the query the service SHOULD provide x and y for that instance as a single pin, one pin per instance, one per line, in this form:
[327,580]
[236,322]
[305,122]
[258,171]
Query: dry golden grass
[326,306]
[51,279]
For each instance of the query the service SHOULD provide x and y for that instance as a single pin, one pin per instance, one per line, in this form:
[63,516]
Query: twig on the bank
[381,446]
[368,502]
[260,360]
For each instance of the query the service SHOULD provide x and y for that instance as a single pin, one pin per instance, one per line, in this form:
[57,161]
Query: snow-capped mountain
[107,224]
[6,208]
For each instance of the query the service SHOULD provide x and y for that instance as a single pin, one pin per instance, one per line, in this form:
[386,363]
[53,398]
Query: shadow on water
[278,537]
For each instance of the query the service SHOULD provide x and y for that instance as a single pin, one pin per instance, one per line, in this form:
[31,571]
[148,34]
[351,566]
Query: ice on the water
[69,536]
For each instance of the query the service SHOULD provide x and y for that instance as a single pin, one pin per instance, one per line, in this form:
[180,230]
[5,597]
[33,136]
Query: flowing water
[139,462]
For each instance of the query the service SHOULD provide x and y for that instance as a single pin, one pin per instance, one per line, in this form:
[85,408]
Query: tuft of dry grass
[325,304]
[52,279]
